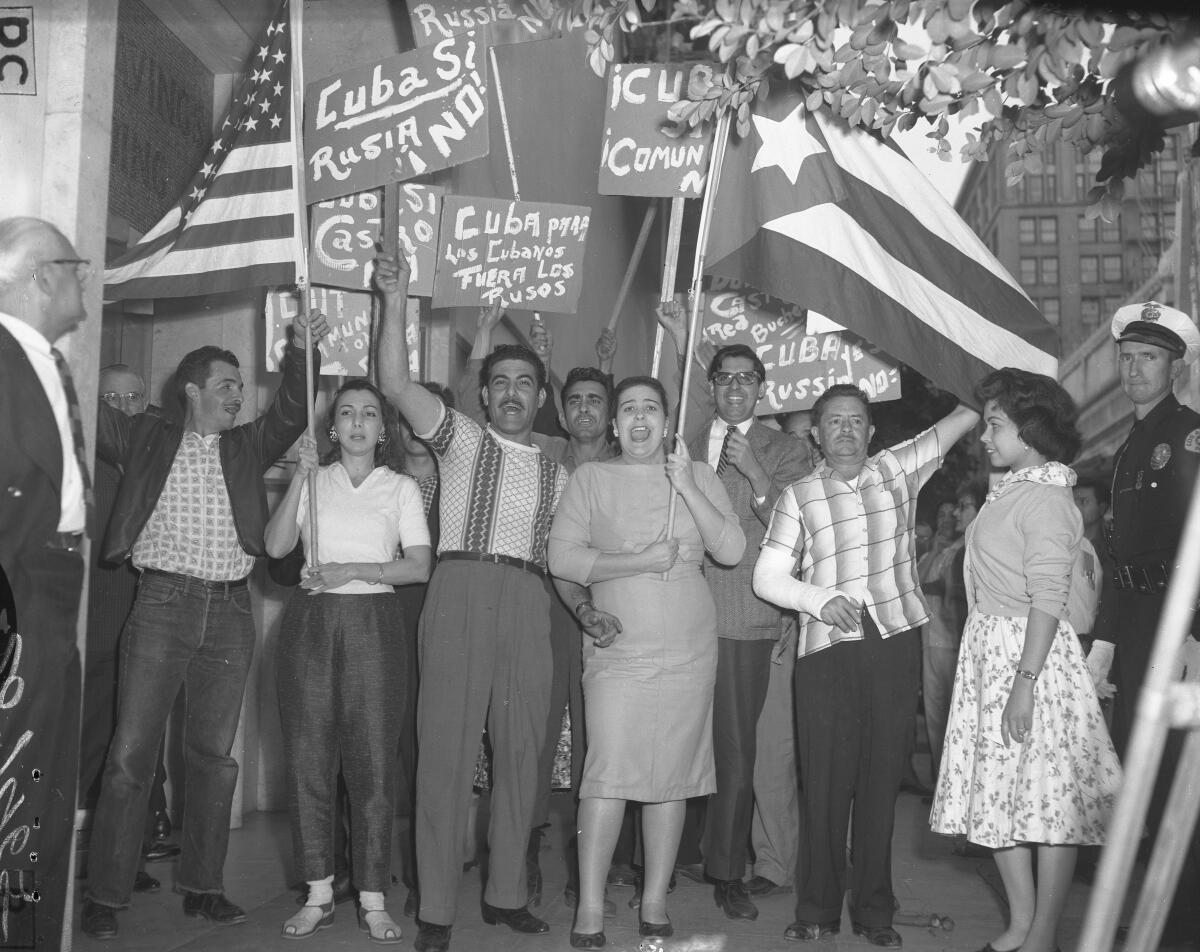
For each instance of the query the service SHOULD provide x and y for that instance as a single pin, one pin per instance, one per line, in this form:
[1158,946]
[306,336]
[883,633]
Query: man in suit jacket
[755,464]
[43,514]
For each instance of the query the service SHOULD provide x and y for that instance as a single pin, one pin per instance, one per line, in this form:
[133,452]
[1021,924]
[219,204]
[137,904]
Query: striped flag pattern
[830,218]
[236,225]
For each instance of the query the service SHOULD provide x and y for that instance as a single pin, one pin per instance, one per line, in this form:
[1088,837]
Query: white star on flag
[786,143]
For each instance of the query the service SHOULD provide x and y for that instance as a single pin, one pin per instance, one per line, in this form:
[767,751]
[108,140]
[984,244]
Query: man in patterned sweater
[484,639]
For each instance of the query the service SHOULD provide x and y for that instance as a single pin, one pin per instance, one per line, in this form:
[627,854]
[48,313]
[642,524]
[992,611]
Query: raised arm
[954,426]
[419,407]
[467,390]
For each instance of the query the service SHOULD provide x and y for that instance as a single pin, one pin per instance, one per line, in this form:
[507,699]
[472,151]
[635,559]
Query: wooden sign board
[636,156]
[800,366]
[346,351]
[345,232]
[409,115]
[508,21]
[18,75]
[522,255]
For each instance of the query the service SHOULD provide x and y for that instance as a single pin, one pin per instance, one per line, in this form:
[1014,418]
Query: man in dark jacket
[190,512]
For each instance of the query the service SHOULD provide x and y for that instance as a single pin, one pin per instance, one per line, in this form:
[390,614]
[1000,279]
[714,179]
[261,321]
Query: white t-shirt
[365,523]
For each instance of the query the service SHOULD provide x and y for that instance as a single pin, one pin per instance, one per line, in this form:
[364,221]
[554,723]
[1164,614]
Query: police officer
[1153,475]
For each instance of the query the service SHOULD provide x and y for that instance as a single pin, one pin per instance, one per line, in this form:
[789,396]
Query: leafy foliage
[1034,76]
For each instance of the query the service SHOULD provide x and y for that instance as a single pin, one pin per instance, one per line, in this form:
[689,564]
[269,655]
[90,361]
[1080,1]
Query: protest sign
[407,116]
[636,156]
[800,365]
[508,21]
[522,255]
[345,231]
[346,351]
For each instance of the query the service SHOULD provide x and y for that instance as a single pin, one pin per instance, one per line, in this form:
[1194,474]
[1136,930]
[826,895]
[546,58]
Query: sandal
[308,921]
[382,929]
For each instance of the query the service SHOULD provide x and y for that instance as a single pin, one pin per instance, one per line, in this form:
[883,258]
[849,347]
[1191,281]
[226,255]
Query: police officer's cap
[1157,324]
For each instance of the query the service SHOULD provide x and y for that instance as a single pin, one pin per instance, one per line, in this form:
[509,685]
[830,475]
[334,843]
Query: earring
[382,439]
[332,434]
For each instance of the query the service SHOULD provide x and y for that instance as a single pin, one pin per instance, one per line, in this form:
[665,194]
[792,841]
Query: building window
[1026,230]
[1035,188]
[1112,268]
[1029,271]
[1168,229]
[1087,228]
[1167,187]
[1110,230]
[1111,304]
[1089,313]
[1048,230]
[1089,269]
[1049,271]
[1050,310]
[1149,226]
[1149,267]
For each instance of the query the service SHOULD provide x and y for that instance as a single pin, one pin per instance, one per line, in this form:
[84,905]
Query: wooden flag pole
[670,266]
[389,242]
[296,16]
[635,259]
[720,139]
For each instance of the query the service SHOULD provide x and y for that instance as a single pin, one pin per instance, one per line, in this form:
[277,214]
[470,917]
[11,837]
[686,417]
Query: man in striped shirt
[849,527]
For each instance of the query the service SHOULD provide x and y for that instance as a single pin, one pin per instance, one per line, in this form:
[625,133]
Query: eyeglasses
[114,399]
[83,267]
[723,378]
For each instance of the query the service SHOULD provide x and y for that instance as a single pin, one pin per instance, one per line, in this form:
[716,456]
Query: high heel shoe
[662,930]
[588,940]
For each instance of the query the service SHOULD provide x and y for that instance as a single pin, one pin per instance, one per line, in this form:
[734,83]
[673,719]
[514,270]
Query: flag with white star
[830,218]
[235,226]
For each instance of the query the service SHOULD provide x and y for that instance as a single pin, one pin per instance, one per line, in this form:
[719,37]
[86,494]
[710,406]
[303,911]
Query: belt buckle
[1124,577]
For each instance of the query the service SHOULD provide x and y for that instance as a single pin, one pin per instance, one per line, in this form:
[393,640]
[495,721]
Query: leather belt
[532,567]
[66,541]
[209,585]
[1149,578]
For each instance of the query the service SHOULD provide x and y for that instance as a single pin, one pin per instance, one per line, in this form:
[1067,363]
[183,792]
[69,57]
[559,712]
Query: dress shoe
[730,896]
[622,874]
[212,906]
[519,920]
[160,849]
[588,940]
[144,882]
[884,936]
[761,886]
[97,921]
[801,931]
[662,930]
[431,937]
[412,904]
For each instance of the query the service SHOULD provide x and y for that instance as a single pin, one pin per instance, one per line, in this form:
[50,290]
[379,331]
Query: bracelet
[1028,675]
[379,581]
[586,603]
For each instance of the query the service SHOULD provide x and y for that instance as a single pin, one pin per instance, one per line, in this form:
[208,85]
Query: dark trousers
[743,672]
[412,600]
[39,745]
[855,703]
[485,657]
[566,688]
[178,634]
[339,670]
[1137,624]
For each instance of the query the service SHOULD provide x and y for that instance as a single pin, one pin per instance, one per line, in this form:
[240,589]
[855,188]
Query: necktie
[64,372]
[723,462]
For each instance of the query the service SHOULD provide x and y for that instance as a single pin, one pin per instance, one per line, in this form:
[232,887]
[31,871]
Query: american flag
[236,225]
[830,218]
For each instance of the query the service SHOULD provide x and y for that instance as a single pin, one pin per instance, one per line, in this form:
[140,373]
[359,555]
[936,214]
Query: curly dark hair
[391,432]
[196,367]
[512,352]
[652,382]
[592,375]
[1044,413]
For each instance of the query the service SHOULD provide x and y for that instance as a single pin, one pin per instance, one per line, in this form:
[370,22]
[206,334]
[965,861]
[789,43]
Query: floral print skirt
[1060,785]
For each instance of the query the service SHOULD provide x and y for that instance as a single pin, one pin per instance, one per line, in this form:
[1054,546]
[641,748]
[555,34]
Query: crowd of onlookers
[718,644]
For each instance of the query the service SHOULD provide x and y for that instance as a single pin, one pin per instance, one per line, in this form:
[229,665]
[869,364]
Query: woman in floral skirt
[1028,763]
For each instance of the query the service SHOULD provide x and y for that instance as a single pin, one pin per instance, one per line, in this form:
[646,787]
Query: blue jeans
[178,633]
